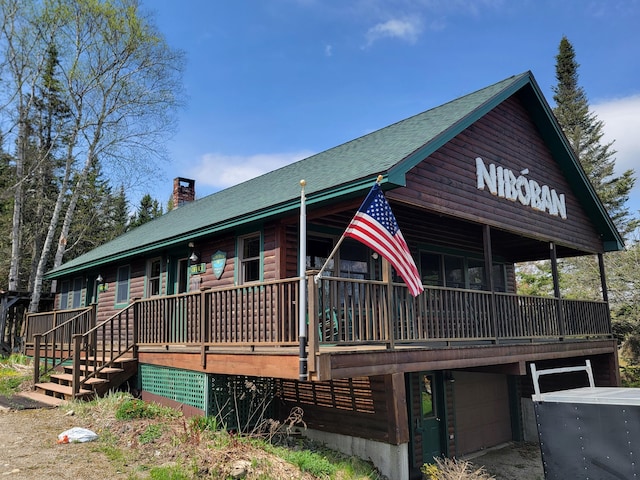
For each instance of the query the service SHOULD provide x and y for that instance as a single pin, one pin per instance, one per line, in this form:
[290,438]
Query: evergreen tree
[99,215]
[148,210]
[585,134]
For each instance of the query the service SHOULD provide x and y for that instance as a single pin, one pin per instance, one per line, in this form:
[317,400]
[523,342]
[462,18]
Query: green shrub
[134,408]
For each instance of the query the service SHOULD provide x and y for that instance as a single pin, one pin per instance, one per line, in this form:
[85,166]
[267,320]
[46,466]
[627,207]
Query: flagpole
[302,297]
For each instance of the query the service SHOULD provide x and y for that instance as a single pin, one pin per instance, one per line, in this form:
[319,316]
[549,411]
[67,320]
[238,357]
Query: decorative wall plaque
[218,261]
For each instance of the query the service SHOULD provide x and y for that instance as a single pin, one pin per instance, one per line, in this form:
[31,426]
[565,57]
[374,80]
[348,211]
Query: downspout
[302,297]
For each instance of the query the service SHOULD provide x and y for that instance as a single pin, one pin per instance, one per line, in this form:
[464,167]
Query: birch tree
[123,83]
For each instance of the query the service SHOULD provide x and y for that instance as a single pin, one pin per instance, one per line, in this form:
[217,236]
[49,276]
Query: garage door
[482,416]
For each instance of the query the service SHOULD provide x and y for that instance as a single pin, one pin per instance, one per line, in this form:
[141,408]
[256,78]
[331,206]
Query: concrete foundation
[391,460]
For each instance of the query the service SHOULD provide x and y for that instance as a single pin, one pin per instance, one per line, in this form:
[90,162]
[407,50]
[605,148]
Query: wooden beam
[397,416]
[276,366]
[452,358]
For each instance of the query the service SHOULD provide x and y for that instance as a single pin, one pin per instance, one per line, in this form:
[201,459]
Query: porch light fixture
[99,279]
[194,257]
[374,255]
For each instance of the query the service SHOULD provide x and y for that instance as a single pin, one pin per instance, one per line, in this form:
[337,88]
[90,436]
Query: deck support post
[387,277]
[36,358]
[312,330]
[488,268]
[77,347]
[204,321]
[556,288]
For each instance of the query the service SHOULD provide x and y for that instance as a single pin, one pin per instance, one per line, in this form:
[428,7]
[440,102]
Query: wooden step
[42,398]
[57,390]
[108,359]
[91,368]
[67,379]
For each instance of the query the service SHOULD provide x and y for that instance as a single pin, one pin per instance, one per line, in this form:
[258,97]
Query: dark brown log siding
[357,406]
[273,236]
[446,181]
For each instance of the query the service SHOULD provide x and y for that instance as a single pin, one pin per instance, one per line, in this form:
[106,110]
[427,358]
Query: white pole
[302,298]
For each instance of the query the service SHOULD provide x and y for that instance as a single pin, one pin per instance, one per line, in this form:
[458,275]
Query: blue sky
[269,82]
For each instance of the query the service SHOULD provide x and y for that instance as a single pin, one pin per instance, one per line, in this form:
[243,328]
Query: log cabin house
[208,293]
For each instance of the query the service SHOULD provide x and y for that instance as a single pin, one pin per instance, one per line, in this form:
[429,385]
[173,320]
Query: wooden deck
[353,328]
[335,362]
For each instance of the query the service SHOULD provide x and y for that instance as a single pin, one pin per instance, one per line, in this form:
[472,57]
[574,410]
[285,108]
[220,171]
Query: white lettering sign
[503,183]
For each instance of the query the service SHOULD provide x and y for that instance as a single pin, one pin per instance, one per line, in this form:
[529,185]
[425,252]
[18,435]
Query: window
[64,295]
[249,258]
[122,285]
[318,250]
[431,268]
[354,260]
[154,277]
[76,301]
[456,271]
[477,280]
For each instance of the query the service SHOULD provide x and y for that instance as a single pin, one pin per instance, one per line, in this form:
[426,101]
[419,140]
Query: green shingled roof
[346,169]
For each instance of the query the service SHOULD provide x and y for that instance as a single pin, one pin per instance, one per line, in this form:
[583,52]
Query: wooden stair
[109,378]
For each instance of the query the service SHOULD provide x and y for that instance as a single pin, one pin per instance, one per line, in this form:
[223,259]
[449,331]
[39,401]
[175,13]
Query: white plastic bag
[77,434]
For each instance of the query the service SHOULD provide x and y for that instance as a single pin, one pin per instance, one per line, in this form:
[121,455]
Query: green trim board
[346,171]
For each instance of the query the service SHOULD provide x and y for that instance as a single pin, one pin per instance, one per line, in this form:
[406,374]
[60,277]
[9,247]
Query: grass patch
[169,473]
[133,408]
[14,371]
[152,433]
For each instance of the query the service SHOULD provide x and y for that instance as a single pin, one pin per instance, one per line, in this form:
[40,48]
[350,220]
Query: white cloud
[407,29]
[218,171]
[621,119]
[328,50]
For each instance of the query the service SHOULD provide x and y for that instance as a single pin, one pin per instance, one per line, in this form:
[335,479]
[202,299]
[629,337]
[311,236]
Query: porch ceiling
[425,228]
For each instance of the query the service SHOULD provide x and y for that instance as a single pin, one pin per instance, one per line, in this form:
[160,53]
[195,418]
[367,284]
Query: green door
[429,423]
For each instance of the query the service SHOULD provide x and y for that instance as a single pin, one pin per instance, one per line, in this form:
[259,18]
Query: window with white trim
[154,277]
[249,260]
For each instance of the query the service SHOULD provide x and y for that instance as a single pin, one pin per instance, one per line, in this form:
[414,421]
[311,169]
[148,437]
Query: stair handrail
[53,361]
[88,343]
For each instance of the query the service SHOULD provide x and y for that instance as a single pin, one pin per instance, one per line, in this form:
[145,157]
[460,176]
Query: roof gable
[349,169]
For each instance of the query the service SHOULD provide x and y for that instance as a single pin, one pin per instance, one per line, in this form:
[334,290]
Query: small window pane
[250,259]
[476,275]
[454,272]
[499,278]
[251,247]
[122,288]
[354,260]
[430,268]
[77,293]
[64,295]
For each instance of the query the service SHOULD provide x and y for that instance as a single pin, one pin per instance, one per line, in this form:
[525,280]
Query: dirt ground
[29,451]
[515,461]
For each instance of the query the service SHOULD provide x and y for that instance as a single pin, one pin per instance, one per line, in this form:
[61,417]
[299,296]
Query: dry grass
[452,469]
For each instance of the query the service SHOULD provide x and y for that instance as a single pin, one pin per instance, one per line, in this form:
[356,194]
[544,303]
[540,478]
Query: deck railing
[341,312]
[101,346]
[347,312]
[53,347]
[263,314]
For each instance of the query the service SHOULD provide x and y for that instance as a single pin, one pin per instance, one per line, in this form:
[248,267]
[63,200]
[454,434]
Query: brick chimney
[184,191]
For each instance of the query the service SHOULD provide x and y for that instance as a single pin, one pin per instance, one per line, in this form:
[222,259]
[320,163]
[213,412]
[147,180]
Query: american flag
[375,225]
